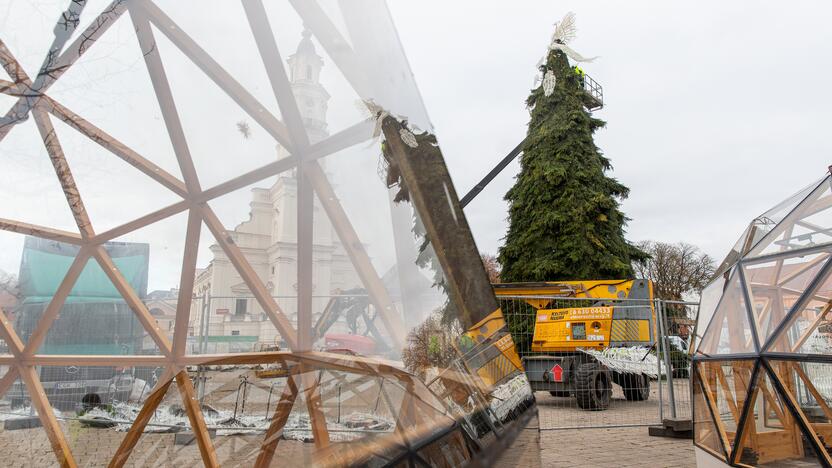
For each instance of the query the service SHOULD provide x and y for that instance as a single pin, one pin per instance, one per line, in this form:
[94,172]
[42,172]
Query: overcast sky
[715,111]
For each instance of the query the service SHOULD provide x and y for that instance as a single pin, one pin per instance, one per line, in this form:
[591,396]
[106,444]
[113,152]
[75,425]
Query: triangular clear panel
[729,331]
[809,224]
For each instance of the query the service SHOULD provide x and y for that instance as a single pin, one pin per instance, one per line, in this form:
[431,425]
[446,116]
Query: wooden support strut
[128,443]
[8,379]
[136,305]
[312,394]
[249,276]
[275,430]
[191,404]
[714,411]
[82,43]
[47,417]
[114,146]
[358,255]
[58,298]
[186,284]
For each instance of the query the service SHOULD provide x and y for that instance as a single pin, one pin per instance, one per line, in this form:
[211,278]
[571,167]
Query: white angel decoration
[565,31]
[549,82]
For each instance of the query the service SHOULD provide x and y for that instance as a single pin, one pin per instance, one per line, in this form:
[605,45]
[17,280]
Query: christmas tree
[564,216]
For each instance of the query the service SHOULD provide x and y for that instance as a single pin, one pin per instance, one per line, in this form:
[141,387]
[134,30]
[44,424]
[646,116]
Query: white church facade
[268,239]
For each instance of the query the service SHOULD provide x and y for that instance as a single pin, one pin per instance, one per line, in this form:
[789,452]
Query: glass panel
[809,224]
[727,385]
[324,228]
[807,330]
[708,301]
[772,436]
[762,225]
[705,432]
[808,385]
[729,331]
[775,285]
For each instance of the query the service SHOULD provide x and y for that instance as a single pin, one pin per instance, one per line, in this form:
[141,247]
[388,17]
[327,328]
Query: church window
[240,307]
[308,72]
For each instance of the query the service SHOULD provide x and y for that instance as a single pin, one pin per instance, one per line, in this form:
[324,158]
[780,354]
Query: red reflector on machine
[557,373]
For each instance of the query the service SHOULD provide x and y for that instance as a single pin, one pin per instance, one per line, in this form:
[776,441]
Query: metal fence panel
[643,382]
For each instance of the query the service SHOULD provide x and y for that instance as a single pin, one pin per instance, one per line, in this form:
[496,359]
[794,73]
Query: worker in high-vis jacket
[580,72]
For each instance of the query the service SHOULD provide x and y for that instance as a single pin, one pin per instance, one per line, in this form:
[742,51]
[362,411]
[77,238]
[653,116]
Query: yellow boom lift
[616,313]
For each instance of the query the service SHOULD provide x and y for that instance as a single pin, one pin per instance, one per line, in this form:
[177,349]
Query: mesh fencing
[627,385]
[640,378]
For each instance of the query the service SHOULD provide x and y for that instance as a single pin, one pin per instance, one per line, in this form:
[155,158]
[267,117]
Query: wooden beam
[346,138]
[62,170]
[40,231]
[813,390]
[139,223]
[790,401]
[123,286]
[248,178]
[46,78]
[114,146]
[275,430]
[186,284]
[706,393]
[47,418]
[811,328]
[13,67]
[249,276]
[305,274]
[258,21]
[128,443]
[191,404]
[54,308]
[799,271]
[8,334]
[164,95]
[357,254]
[317,419]
[215,72]
[334,43]
[6,382]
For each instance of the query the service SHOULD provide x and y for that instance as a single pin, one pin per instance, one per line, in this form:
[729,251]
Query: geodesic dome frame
[423,416]
[763,353]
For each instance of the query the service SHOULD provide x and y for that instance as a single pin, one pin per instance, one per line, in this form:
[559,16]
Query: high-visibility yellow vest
[579,70]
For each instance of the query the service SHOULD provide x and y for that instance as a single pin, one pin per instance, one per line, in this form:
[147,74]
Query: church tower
[304,74]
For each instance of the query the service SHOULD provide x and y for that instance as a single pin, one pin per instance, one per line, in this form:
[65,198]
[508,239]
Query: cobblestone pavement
[619,447]
[559,413]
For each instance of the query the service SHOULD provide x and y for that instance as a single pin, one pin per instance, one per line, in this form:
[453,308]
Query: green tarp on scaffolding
[44,264]
[95,319]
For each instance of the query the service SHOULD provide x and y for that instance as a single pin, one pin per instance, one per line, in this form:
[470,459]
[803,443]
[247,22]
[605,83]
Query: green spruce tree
[564,216]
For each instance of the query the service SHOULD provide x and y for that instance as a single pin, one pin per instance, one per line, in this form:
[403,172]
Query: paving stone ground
[538,445]
[608,447]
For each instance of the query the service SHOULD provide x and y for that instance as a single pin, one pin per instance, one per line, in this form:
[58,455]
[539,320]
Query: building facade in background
[268,239]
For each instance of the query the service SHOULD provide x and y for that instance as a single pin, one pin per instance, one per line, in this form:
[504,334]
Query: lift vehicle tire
[636,387]
[560,393]
[593,386]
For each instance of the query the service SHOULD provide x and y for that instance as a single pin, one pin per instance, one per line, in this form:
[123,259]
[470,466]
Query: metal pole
[670,393]
[203,342]
[657,304]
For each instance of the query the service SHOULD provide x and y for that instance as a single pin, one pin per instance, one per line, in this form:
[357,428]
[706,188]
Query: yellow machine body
[618,313]
[488,350]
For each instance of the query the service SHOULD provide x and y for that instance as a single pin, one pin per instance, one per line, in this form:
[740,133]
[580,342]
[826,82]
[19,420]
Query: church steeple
[305,72]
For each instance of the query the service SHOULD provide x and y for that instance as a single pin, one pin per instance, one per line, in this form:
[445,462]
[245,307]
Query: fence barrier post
[670,390]
[657,304]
